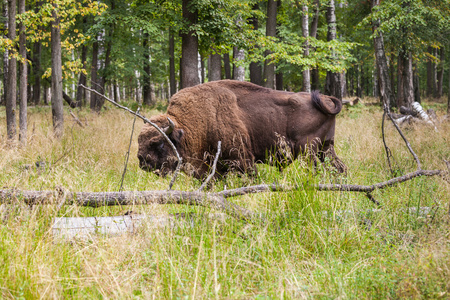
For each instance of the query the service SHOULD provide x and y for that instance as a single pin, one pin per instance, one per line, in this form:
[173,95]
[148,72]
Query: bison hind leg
[328,152]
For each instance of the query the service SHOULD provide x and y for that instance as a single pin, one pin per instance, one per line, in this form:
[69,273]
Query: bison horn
[169,129]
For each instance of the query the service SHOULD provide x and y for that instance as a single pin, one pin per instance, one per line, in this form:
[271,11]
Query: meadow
[313,244]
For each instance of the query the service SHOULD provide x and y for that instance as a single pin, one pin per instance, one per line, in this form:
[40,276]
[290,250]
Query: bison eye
[161,146]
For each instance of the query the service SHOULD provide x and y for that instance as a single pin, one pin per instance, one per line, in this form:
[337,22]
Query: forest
[380,230]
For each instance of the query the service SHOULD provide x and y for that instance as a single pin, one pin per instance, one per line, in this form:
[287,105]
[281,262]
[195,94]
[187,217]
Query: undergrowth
[312,245]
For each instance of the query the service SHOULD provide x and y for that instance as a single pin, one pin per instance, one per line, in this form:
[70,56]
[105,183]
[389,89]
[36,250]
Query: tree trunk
[409,80]
[416,82]
[239,70]
[305,33]
[271,30]
[400,79]
[314,73]
[11,87]
[255,68]
[81,93]
[430,76]
[94,71]
[226,65]
[189,48]
[172,80]
[5,54]
[37,66]
[435,54]
[215,67]
[57,88]
[146,88]
[440,73]
[23,92]
[383,70]
[333,81]
[279,81]
[448,92]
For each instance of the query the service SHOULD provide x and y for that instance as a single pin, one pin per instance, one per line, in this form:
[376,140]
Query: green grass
[314,244]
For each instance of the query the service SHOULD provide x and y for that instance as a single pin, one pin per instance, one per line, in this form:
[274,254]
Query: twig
[128,153]
[408,145]
[76,119]
[175,174]
[386,148]
[372,198]
[213,171]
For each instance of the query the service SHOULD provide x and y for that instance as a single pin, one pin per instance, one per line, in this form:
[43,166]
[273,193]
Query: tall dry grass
[314,245]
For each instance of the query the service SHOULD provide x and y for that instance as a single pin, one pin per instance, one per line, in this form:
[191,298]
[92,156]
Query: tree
[271,30]
[215,66]
[305,33]
[23,79]
[382,67]
[189,47]
[333,84]
[57,87]
[255,67]
[11,87]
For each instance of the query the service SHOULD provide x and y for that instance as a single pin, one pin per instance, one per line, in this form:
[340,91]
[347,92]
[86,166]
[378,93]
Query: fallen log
[215,201]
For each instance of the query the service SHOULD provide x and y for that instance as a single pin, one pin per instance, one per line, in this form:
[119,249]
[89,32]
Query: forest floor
[313,244]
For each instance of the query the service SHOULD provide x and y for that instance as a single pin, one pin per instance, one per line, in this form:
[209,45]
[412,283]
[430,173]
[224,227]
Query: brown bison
[254,124]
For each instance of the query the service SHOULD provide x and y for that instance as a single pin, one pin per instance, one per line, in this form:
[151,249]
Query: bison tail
[326,104]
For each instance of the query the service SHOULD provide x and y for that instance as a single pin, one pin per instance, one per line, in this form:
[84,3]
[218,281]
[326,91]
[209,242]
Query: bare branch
[408,145]
[213,171]
[76,119]
[128,152]
[175,174]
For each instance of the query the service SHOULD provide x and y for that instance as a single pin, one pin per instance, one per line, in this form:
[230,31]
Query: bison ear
[176,135]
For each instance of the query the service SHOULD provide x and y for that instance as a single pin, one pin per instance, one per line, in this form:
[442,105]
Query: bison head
[155,153]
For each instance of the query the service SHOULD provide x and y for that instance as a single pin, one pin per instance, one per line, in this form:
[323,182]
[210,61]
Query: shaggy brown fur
[249,120]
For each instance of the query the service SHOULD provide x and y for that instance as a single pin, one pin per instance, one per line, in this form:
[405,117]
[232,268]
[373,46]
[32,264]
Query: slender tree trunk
[94,76]
[383,70]
[448,92]
[440,73]
[255,68]
[409,80]
[37,66]
[435,54]
[400,79]
[314,73]
[172,80]
[215,67]
[5,54]
[279,85]
[57,87]
[416,82]
[23,91]
[271,30]
[305,33]
[430,76]
[11,87]
[333,83]
[239,70]
[146,88]
[189,48]
[81,92]
[226,65]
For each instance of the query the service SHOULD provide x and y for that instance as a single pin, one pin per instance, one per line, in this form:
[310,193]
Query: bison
[254,124]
